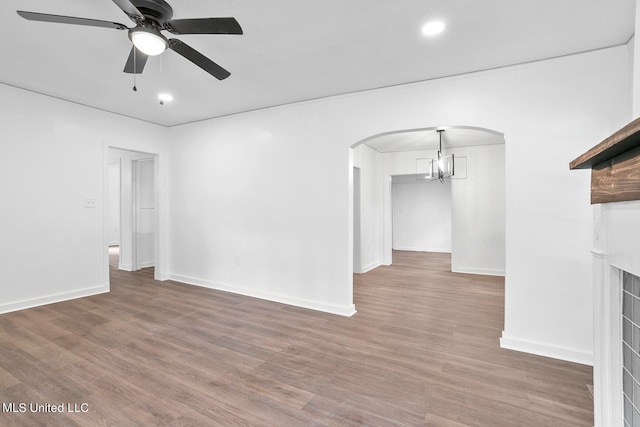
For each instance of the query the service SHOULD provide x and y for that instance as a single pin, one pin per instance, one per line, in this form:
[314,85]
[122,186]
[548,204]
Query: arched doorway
[477,193]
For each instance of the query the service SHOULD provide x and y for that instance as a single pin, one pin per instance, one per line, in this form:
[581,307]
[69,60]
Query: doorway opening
[113,209]
[476,203]
[132,220]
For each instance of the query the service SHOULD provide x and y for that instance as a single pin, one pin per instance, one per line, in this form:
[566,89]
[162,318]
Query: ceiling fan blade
[60,19]
[128,8]
[135,62]
[204,26]
[199,59]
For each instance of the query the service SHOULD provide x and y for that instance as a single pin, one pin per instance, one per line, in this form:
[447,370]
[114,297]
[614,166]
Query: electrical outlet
[90,203]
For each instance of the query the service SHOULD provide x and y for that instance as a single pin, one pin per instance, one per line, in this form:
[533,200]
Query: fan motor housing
[156,10]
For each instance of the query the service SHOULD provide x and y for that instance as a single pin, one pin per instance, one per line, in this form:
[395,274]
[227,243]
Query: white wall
[263,234]
[478,210]
[421,215]
[371,182]
[113,201]
[357,225]
[54,158]
[260,206]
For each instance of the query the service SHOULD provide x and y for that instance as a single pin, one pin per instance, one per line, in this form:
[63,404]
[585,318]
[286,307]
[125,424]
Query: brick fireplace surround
[615,196]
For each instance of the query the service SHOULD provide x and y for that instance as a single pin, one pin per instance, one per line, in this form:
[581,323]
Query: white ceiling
[293,50]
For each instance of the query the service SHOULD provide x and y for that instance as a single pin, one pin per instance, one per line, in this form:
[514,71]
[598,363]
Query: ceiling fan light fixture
[433,28]
[149,42]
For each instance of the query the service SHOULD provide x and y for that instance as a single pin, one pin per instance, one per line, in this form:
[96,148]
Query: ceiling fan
[150,17]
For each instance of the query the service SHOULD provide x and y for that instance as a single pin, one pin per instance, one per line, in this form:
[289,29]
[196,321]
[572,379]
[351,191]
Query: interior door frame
[135,182]
[159,244]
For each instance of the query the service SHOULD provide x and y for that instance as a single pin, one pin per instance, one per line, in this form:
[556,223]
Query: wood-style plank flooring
[422,350]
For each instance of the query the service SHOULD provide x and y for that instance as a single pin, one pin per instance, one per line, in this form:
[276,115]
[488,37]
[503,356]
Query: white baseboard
[50,299]
[546,349]
[347,311]
[481,271]
[371,266]
[125,267]
[129,267]
[413,249]
[161,276]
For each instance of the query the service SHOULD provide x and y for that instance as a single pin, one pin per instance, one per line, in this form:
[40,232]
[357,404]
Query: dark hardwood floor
[422,350]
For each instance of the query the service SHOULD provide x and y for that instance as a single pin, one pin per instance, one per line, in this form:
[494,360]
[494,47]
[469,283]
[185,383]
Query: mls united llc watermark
[22,407]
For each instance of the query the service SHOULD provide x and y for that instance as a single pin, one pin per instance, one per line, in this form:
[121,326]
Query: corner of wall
[346,311]
[51,299]
[546,349]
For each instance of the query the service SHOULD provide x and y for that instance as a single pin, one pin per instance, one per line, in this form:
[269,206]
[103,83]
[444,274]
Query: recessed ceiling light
[165,97]
[432,28]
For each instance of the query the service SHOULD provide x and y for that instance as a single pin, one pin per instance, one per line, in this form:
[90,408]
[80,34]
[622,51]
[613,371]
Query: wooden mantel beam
[615,166]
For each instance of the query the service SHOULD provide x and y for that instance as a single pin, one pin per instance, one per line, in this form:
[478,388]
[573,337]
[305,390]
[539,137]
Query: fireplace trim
[615,166]
[607,367]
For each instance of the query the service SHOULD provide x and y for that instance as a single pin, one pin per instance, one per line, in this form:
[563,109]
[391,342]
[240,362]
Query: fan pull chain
[161,78]
[135,89]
